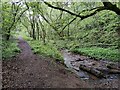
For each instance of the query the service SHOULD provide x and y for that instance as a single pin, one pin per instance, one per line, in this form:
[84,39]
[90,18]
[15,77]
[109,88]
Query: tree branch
[109,6]
[83,17]
[58,8]
[98,9]
[68,24]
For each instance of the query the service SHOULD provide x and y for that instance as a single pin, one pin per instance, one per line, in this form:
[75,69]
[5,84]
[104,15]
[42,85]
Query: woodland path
[28,70]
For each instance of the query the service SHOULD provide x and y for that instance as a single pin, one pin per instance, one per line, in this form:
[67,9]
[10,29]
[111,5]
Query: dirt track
[27,70]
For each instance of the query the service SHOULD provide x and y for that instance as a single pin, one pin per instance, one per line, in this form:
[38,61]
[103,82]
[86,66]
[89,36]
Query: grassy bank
[46,50]
[99,53]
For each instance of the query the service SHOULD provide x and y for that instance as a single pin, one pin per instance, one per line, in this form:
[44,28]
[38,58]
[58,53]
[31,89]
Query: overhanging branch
[61,9]
[107,6]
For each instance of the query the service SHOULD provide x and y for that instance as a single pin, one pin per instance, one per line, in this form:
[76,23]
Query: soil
[28,70]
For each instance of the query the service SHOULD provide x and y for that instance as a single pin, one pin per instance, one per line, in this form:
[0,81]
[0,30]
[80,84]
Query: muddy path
[28,70]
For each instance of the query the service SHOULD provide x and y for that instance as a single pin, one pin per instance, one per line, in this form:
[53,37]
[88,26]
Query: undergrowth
[99,53]
[46,50]
[9,49]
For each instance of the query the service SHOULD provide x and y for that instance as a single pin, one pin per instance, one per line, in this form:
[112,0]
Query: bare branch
[58,8]
[107,6]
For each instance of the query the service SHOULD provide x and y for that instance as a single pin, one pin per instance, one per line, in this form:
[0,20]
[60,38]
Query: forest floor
[27,70]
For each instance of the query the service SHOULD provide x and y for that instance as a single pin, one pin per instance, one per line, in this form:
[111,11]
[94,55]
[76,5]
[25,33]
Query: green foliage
[99,53]
[58,43]
[99,29]
[9,49]
[47,25]
[47,50]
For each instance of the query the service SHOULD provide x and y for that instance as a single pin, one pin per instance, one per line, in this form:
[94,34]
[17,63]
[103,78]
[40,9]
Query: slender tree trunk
[68,33]
[33,28]
[38,33]
[8,35]
[30,34]
[43,32]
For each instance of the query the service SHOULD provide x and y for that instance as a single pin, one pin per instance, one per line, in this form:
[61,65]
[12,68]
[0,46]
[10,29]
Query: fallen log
[108,71]
[114,71]
[113,66]
[92,70]
[103,70]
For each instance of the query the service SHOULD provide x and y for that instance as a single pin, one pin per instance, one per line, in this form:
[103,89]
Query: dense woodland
[84,28]
[83,25]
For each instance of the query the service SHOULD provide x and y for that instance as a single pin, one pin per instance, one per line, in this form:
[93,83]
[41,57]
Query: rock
[79,59]
[76,68]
